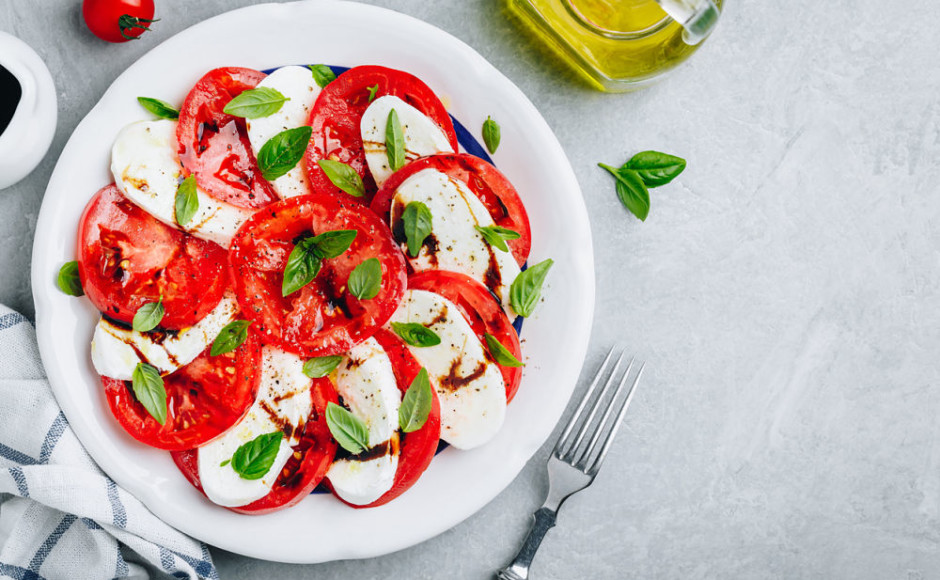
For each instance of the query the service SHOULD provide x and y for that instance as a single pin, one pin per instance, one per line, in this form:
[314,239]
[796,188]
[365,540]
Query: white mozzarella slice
[297,84]
[116,350]
[146,168]
[283,404]
[422,136]
[365,381]
[458,246]
[470,387]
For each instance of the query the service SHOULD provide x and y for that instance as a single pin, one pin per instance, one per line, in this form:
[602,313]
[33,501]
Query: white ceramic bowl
[554,340]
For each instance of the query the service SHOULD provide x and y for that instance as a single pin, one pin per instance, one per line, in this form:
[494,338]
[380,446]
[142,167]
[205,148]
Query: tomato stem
[127,22]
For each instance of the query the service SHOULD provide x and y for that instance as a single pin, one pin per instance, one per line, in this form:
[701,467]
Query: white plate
[554,341]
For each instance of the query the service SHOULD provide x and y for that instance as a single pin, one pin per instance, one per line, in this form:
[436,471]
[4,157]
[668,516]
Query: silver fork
[574,465]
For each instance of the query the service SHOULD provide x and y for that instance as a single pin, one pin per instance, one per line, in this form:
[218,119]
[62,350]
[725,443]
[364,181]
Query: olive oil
[10,93]
[616,45]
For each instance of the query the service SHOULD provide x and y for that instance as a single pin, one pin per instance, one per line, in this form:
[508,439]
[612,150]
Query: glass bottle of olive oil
[619,45]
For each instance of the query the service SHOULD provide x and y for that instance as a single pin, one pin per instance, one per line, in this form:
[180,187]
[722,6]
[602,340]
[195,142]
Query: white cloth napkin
[60,516]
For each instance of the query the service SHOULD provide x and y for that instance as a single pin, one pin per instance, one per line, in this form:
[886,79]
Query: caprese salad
[303,281]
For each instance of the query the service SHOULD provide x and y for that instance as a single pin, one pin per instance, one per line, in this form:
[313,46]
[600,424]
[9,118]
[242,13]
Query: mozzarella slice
[283,404]
[365,381]
[470,387]
[422,136]
[116,350]
[297,84]
[456,245]
[146,168]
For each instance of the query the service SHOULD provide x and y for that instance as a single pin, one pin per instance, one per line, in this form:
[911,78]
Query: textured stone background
[785,291]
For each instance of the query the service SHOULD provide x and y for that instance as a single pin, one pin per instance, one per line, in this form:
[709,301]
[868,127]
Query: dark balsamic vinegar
[10,93]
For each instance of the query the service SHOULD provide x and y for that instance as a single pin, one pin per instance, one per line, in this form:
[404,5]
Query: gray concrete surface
[785,290]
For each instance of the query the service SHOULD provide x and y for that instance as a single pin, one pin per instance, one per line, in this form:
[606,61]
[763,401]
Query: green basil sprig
[230,337]
[372,90]
[68,279]
[394,142]
[343,176]
[304,261]
[283,152]
[320,366]
[322,74]
[416,404]
[496,236]
[186,203]
[502,355]
[417,223]
[348,430]
[366,280]
[644,170]
[416,334]
[161,109]
[256,103]
[149,316]
[150,391]
[491,135]
[631,190]
[526,289]
[255,458]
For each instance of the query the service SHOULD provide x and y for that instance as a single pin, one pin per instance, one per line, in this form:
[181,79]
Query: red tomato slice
[303,471]
[481,310]
[321,318]
[416,449]
[127,258]
[204,398]
[215,146]
[484,180]
[336,116]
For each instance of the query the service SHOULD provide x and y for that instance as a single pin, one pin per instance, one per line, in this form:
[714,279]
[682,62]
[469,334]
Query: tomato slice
[492,187]
[215,146]
[321,318]
[416,449]
[481,310]
[127,258]
[336,116]
[312,457]
[204,398]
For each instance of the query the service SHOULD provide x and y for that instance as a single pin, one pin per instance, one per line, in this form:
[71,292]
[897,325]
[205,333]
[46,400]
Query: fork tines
[572,449]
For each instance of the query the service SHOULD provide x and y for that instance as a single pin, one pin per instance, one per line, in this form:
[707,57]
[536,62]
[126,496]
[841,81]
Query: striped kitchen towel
[60,516]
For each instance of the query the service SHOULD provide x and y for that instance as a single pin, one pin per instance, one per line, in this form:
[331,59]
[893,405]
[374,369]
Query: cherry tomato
[127,258]
[485,181]
[118,20]
[204,399]
[337,113]
[321,318]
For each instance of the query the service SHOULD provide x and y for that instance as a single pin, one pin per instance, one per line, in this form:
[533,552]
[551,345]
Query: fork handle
[544,520]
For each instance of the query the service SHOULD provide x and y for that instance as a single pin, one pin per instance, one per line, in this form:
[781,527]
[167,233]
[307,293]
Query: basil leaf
[161,109]
[502,355]
[224,463]
[187,202]
[68,279]
[366,280]
[631,190]
[496,236]
[417,222]
[150,391]
[320,366]
[416,404]
[416,334]
[322,74]
[491,134]
[332,243]
[283,151]
[526,289]
[149,316]
[372,90]
[230,337]
[255,458]
[655,168]
[348,430]
[343,176]
[256,103]
[394,142]
[303,265]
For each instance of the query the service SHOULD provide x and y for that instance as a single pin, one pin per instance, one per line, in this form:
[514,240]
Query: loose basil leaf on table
[526,289]
[283,152]
[416,404]
[256,103]
[394,142]
[320,366]
[148,316]
[348,430]
[491,135]
[417,223]
[322,74]
[68,279]
[255,458]
[656,168]
[150,391]
[161,109]
[230,337]
[343,176]
[186,203]
[365,281]
[496,236]
[502,355]
[416,334]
